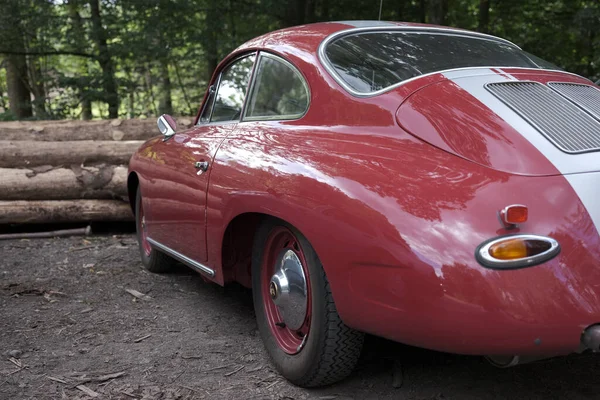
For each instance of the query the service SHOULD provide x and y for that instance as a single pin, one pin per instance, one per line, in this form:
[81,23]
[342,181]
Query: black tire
[332,349]
[155,261]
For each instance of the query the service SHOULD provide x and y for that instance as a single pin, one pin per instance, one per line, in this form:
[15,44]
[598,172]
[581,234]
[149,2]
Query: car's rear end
[515,270]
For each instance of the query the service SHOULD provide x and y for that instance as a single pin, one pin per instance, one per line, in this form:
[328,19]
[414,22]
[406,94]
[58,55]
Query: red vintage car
[433,186]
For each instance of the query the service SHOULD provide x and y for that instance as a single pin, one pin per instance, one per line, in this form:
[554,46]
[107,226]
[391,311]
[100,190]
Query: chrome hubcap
[288,289]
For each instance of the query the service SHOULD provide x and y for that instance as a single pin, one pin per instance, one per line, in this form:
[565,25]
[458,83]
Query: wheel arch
[237,244]
[132,184]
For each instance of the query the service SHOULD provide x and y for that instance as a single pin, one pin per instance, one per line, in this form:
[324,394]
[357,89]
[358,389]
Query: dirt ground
[69,329]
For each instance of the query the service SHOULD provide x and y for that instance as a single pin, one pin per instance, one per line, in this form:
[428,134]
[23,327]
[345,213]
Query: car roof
[309,37]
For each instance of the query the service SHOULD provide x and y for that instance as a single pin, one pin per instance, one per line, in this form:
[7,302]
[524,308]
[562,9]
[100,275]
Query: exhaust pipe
[590,340]
[511,361]
[503,361]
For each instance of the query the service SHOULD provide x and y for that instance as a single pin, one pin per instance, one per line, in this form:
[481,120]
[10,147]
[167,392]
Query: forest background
[90,59]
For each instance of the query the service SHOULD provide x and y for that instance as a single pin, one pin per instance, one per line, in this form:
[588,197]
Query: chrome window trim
[218,82]
[207,99]
[483,256]
[324,60]
[584,108]
[181,258]
[296,71]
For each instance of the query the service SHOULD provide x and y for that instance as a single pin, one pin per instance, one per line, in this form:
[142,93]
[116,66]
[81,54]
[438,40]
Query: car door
[177,217]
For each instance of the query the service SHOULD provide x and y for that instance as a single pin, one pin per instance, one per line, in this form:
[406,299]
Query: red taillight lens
[515,214]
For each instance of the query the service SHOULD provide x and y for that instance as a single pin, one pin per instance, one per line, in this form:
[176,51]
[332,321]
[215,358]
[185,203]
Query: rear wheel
[297,318]
[152,259]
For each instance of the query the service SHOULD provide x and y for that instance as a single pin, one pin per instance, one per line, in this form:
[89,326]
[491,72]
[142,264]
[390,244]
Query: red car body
[395,192]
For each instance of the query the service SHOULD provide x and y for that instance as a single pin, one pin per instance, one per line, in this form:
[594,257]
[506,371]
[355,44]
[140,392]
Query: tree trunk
[11,37]
[437,11]
[79,36]
[423,11]
[37,87]
[310,11]
[484,16]
[19,97]
[60,131]
[105,60]
[63,211]
[296,12]
[165,106]
[211,35]
[400,10]
[325,10]
[101,182]
[24,154]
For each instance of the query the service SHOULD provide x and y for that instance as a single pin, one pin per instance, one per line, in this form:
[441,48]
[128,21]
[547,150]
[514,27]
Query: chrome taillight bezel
[482,254]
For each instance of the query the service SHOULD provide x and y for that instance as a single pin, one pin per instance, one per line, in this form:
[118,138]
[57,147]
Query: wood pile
[68,171]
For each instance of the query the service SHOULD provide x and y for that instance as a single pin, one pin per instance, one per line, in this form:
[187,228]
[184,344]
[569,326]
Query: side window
[232,90]
[279,91]
[205,116]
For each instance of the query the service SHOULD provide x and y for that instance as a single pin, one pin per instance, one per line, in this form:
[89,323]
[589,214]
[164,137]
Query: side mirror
[166,125]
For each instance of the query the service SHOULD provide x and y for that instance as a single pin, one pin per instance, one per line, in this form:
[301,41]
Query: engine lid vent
[567,126]
[585,96]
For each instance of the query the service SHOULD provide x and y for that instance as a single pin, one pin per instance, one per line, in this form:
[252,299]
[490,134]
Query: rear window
[372,61]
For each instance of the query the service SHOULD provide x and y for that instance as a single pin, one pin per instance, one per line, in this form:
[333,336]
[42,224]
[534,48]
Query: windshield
[372,61]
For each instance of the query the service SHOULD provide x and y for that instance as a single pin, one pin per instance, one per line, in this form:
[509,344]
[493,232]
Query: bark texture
[76,182]
[130,129]
[483,24]
[105,60]
[27,154]
[63,211]
[19,96]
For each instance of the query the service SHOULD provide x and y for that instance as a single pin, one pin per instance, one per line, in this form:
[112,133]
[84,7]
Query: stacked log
[68,171]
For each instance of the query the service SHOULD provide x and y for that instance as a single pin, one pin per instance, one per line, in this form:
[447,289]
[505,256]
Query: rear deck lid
[523,121]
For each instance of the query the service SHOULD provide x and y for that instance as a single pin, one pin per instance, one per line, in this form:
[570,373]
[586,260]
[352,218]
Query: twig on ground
[109,377]
[177,377]
[189,388]
[87,391]
[142,338]
[65,232]
[101,260]
[56,379]
[74,249]
[235,371]
[138,295]
[272,384]
[192,357]
[219,367]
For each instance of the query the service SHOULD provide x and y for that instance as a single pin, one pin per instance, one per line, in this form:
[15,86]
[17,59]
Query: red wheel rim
[142,232]
[290,341]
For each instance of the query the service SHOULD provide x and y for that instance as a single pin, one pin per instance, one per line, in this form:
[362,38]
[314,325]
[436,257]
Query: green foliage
[163,52]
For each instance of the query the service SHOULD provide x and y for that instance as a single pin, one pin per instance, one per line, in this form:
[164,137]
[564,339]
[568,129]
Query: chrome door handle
[202,165]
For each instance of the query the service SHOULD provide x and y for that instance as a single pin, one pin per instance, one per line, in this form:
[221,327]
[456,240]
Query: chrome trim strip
[331,70]
[483,256]
[181,258]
